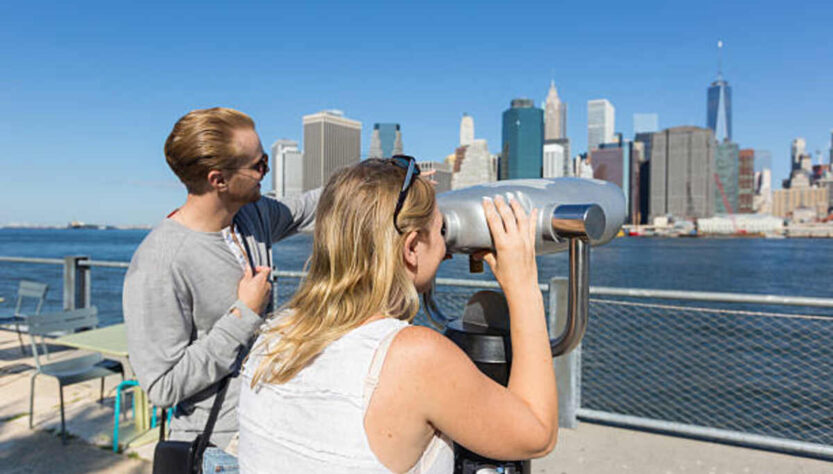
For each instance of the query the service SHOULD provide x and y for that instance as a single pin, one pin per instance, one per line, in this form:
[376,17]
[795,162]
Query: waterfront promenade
[590,449]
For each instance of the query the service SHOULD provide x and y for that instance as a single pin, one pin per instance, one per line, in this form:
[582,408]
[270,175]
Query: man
[198,285]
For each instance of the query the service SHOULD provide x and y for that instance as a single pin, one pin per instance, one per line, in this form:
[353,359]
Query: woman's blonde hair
[356,269]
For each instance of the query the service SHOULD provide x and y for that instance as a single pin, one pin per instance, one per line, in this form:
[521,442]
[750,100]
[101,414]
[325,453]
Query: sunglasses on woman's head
[407,163]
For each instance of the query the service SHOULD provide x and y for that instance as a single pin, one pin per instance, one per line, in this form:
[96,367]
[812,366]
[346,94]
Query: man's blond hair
[203,140]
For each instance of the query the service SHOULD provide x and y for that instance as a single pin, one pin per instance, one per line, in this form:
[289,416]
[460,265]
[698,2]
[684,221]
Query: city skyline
[90,94]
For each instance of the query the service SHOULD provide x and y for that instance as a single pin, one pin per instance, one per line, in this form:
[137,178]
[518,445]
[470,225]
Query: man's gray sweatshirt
[179,293]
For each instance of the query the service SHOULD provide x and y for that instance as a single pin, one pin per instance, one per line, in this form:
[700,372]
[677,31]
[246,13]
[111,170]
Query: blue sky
[90,90]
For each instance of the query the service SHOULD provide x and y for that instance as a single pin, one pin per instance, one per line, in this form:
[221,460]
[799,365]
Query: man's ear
[409,250]
[216,180]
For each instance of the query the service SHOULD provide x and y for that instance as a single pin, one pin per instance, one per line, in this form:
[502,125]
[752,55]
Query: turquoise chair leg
[116,415]
[153,417]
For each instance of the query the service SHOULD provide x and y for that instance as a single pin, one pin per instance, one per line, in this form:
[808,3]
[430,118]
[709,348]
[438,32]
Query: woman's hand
[513,234]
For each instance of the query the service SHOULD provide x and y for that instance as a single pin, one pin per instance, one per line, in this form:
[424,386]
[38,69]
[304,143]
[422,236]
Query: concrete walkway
[590,449]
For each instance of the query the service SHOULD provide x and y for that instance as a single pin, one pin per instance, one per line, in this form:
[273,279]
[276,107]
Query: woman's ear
[409,250]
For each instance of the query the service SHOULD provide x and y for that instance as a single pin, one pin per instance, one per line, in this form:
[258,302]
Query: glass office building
[719,111]
[385,140]
[726,170]
[523,141]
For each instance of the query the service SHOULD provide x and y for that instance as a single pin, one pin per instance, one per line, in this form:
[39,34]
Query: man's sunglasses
[407,163]
[261,166]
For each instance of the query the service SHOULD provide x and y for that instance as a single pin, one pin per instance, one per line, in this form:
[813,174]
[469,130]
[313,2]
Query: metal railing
[726,367]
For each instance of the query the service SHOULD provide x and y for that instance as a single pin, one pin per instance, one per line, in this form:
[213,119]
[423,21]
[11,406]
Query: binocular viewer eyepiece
[574,215]
[587,209]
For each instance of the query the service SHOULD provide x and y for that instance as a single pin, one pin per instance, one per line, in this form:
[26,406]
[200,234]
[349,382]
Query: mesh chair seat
[81,369]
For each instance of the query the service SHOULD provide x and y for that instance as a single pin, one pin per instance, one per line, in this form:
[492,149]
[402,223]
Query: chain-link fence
[755,372]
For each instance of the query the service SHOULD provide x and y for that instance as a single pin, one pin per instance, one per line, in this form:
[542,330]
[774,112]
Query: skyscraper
[601,123]
[556,159]
[763,160]
[615,162]
[385,141]
[523,141]
[681,172]
[645,123]
[331,141]
[638,164]
[762,202]
[555,115]
[442,175]
[466,130]
[609,165]
[642,168]
[719,112]
[798,148]
[831,148]
[746,181]
[726,160]
[473,165]
[287,168]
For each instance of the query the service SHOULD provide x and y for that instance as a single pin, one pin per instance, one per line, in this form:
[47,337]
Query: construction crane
[727,205]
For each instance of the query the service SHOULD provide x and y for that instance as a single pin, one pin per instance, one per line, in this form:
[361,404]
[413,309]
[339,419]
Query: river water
[790,267]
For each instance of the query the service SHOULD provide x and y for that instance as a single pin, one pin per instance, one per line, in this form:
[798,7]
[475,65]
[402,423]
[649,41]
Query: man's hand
[254,290]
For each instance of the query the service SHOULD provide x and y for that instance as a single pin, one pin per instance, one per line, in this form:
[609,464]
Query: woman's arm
[427,380]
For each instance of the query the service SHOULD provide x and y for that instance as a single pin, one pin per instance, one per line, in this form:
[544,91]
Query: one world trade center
[719,113]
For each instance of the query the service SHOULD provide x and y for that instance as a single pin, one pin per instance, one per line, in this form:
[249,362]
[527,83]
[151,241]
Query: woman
[341,382]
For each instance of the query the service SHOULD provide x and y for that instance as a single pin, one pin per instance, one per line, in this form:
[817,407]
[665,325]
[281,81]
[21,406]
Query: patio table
[111,341]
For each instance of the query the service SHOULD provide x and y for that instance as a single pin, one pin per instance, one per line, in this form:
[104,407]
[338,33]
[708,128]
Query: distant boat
[81,225]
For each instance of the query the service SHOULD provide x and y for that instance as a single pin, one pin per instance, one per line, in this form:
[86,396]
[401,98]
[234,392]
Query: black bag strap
[212,417]
[164,415]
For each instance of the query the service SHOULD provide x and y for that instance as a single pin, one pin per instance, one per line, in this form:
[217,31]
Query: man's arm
[291,214]
[170,365]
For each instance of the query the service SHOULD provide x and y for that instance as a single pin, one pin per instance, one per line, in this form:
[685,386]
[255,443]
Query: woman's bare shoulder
[421,351]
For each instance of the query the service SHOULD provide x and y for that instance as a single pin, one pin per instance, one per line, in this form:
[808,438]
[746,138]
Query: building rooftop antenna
[719,59]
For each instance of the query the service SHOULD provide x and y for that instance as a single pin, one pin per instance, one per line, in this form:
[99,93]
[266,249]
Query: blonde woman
[341,382]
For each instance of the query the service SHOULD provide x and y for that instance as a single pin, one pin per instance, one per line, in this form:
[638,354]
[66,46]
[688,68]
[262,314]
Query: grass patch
[13,417]
[57,432]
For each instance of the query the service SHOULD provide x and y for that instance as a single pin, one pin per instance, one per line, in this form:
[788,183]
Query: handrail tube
[103,263]
[429,305]
[709,434]
[720,297]
[48,261]
[289,273]
[713,296]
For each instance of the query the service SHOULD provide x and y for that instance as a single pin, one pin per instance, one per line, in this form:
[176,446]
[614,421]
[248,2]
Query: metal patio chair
[30,294]
[69,371]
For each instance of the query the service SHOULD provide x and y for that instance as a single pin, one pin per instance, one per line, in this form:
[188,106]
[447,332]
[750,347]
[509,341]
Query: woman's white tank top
[315,422]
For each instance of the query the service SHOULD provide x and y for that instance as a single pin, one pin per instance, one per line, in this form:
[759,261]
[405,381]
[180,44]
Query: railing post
[76,282]
[275,294]
[568,366]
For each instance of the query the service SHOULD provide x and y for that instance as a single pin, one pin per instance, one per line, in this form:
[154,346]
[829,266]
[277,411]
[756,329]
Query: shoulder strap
[212,417]
[372,378]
